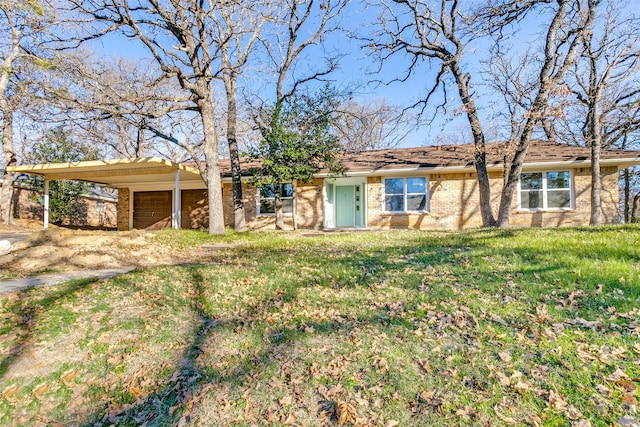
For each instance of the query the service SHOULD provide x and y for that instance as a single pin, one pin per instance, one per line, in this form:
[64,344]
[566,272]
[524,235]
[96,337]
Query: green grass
[408,328]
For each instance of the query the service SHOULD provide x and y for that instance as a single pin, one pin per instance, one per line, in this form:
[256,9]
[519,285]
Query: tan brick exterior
[124,198]
[308,199]
[309,205]
[582,212]
[454,203]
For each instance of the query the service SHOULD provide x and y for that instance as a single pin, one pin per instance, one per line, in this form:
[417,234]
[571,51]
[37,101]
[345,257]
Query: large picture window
[406,194]
[545,190]
[267,199]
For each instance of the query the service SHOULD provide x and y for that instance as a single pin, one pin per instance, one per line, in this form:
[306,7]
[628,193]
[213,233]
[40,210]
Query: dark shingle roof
[461,155]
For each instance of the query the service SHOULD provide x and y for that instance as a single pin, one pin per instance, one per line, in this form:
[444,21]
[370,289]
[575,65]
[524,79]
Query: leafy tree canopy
[57,145]
[297,139]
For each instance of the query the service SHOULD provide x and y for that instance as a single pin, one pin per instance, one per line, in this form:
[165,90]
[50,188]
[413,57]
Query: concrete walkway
[13,285]
[14,237]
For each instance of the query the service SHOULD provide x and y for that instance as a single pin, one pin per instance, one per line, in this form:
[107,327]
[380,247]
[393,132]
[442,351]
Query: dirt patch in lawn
[59,249]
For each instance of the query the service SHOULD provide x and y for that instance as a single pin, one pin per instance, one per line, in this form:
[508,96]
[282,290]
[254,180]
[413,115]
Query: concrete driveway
[13,237]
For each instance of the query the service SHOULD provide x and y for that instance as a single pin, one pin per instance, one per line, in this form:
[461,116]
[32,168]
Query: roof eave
[621,163]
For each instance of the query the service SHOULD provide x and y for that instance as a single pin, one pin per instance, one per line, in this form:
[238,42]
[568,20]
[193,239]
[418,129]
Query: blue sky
[357,65]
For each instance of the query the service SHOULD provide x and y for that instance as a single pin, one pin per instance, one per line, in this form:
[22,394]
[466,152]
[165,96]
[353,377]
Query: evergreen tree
[296,142]
[57,145]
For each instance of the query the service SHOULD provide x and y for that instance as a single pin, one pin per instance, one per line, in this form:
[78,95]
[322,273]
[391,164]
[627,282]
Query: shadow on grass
[28,310]
[167,404]
[461,254]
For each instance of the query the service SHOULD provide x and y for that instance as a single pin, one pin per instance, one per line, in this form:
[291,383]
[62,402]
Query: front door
[345,206]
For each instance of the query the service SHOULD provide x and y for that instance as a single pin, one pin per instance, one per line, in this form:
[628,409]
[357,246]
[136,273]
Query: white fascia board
[571,164]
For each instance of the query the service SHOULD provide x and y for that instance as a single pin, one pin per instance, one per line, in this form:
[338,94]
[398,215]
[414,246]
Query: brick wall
[454,203]
[308,199]
[124,199]
[582,213]
[309,204]
[249,198]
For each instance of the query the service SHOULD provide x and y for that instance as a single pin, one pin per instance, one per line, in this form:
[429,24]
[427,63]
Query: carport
[144,176]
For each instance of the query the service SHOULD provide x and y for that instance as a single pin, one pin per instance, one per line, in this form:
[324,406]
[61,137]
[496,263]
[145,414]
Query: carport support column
[45,203]
[176,202]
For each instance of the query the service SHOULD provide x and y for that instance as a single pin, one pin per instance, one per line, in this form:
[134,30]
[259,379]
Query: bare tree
[178,36]
[372,126]
[128,101]
[300,26]
[21,26]
[605,85]
[440,31]
[237,26]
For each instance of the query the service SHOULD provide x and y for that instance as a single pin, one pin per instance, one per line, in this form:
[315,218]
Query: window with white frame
[545,190]
[406,194]
[267,199]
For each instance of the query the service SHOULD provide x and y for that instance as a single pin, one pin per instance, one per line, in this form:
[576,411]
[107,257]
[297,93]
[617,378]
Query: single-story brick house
[423,187]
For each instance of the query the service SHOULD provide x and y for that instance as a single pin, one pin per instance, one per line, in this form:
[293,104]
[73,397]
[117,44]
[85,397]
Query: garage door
[195,209]
[152,210]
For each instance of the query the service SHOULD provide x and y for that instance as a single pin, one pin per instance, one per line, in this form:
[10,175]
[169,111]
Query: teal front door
[345,206]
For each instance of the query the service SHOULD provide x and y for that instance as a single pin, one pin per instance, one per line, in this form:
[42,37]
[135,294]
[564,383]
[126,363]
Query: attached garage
[152,210]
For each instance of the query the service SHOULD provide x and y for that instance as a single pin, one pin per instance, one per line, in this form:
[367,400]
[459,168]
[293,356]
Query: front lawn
[396,328]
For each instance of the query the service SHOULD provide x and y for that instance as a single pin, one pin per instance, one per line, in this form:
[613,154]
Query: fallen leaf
[290,420]
[504,418]
[523,386]
[617,375]
[69,375]
[627,386]
[605,391]
[286,400]
[557,402]
[506,357]
[424,364]
[39,391]
[573,413]
[9,393]
[502,378]
[346,413]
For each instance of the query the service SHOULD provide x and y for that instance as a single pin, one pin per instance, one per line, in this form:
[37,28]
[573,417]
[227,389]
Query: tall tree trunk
[6,193]
[520,152]
[595,140]
[595,177]
[212,169]
[294,206]
[140,139]
[234,155]
[277,187]
[480,156]
[627,195]
[635,207]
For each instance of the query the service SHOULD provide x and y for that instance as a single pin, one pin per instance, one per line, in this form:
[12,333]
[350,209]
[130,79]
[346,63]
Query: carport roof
[113,173]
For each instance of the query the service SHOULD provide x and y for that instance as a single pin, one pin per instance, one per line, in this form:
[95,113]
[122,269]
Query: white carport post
[45,205]
[176,202]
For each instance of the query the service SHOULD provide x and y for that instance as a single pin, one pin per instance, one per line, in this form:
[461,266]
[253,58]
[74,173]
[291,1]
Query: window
[406,194]
[545,190]
[100,207]
[267,199]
